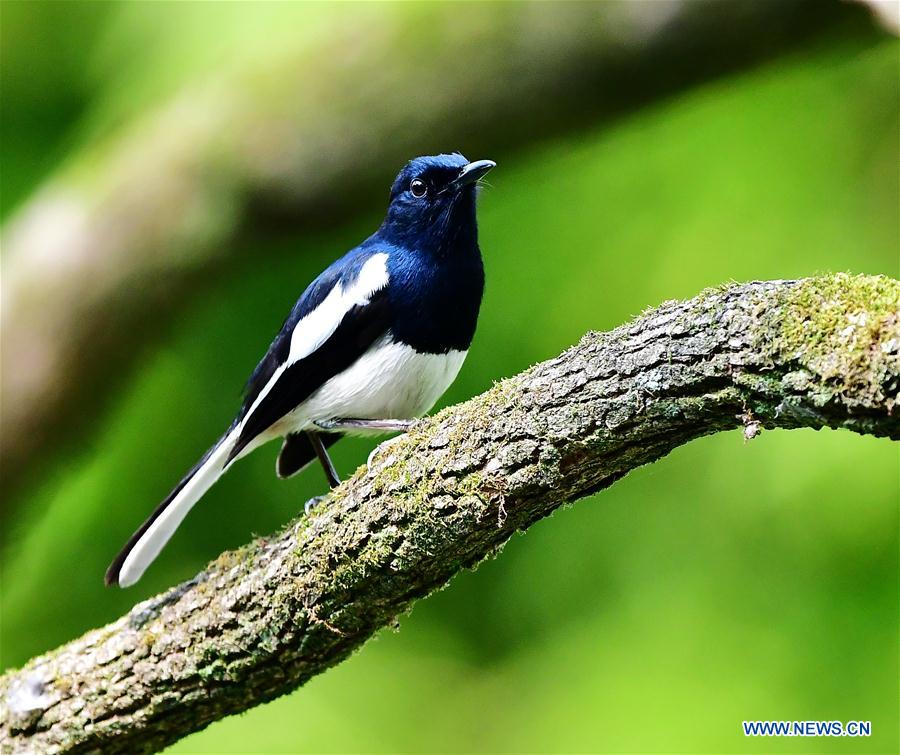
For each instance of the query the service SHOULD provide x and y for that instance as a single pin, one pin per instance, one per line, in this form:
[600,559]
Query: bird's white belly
[390,381]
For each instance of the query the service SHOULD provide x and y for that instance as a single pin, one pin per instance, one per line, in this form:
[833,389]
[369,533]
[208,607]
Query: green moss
[845,331]
[217,670]
[467,421]
[396,474]
[471,484]
[237,557]
[412,486]
[148,639]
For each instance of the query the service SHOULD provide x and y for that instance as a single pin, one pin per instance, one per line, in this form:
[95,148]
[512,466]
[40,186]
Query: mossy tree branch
[260,621]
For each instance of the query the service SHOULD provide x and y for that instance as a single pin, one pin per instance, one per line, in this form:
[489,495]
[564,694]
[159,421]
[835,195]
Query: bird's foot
[379,451]
[371,425]
[313,502]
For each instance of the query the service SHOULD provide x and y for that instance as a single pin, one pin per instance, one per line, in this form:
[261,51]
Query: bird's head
[433,202]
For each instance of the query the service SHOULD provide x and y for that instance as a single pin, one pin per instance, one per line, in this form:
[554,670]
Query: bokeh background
[173,175]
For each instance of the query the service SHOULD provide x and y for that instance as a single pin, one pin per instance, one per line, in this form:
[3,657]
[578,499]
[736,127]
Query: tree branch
[260,621]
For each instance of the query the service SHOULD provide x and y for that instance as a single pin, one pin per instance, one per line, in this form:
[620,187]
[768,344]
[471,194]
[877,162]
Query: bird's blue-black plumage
[298,451]
[426,304]
[436,284]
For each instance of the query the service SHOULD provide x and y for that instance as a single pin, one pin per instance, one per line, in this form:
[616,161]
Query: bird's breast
[390,381]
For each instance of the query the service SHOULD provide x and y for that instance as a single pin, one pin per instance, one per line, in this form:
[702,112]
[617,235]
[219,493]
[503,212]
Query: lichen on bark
[845,332]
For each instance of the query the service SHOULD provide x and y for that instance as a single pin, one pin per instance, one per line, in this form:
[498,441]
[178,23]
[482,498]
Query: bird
[370,346]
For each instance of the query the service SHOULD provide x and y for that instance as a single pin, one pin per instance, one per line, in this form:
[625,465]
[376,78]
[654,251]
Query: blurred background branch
[298,131]
[263,620]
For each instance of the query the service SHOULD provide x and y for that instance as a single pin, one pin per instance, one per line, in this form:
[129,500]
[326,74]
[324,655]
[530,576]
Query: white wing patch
[315,328]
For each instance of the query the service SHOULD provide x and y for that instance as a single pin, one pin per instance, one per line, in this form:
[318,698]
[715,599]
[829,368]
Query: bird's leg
[330,472]
[349,425]
[378,425]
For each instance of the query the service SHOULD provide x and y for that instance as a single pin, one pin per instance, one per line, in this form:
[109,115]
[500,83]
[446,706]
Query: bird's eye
[418,188]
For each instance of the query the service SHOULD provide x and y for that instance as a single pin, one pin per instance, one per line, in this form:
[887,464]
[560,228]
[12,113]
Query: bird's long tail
[150,538]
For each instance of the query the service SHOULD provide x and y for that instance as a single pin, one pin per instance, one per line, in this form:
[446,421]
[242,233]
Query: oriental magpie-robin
[372,343]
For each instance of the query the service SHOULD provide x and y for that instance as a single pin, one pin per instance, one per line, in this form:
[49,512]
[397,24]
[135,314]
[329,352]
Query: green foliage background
[729,581]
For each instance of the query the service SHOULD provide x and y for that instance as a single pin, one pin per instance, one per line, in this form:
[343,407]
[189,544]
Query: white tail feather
[148,547]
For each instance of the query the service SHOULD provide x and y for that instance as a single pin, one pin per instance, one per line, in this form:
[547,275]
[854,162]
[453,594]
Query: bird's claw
[312,503]
[379,450]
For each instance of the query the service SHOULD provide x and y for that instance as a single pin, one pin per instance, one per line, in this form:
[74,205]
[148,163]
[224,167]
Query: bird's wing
[314,295]
[335,322]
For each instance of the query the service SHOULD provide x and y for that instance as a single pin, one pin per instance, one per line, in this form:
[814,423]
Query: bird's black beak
[471,173]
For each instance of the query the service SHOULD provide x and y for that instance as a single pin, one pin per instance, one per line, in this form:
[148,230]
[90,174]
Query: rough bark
[260,621]
[108,250]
